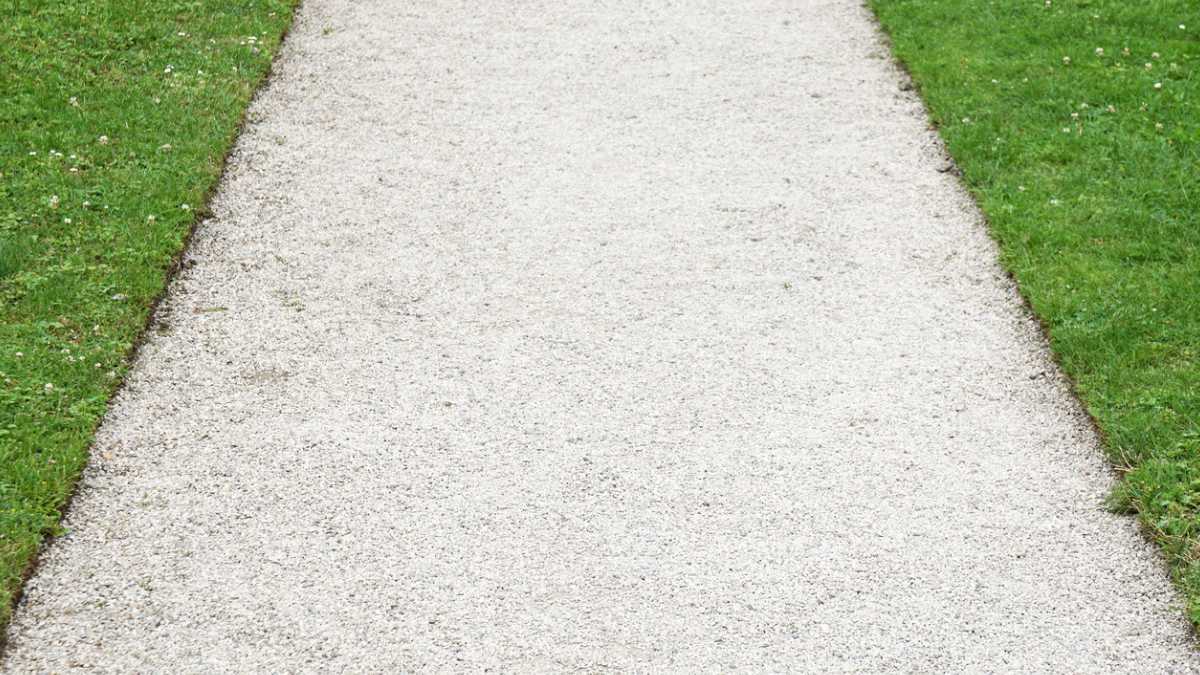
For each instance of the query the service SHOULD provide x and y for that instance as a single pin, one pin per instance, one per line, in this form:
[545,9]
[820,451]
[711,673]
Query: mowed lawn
[115,118]
[1076,124]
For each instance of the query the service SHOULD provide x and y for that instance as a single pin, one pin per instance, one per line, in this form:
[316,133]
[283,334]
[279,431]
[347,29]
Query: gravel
[625,335]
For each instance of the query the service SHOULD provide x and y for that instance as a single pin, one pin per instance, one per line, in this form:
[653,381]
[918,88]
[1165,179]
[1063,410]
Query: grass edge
[1189,609]
[132,355]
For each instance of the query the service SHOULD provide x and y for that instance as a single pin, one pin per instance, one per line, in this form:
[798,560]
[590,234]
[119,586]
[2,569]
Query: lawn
[1076,124]
[115,119]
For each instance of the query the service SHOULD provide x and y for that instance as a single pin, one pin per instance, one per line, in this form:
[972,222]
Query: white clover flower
[1155,55]
[1066,60]
[73,101]
[48,387]
[185,207]
[103,140]
[1099,51]
[1158,85]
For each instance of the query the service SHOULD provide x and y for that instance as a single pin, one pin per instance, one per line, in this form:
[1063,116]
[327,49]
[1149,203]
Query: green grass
[114,114]
[1076,124]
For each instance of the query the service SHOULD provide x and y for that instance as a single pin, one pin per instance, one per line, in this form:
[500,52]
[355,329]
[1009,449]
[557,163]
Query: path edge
[202,213]
[1064,379]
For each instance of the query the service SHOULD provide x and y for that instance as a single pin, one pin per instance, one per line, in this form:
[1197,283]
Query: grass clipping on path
[115,118]
[1076,124]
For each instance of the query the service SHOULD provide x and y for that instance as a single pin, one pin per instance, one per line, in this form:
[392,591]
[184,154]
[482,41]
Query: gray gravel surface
[552,336]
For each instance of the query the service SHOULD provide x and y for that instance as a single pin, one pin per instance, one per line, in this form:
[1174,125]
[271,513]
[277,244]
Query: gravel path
[583,336]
